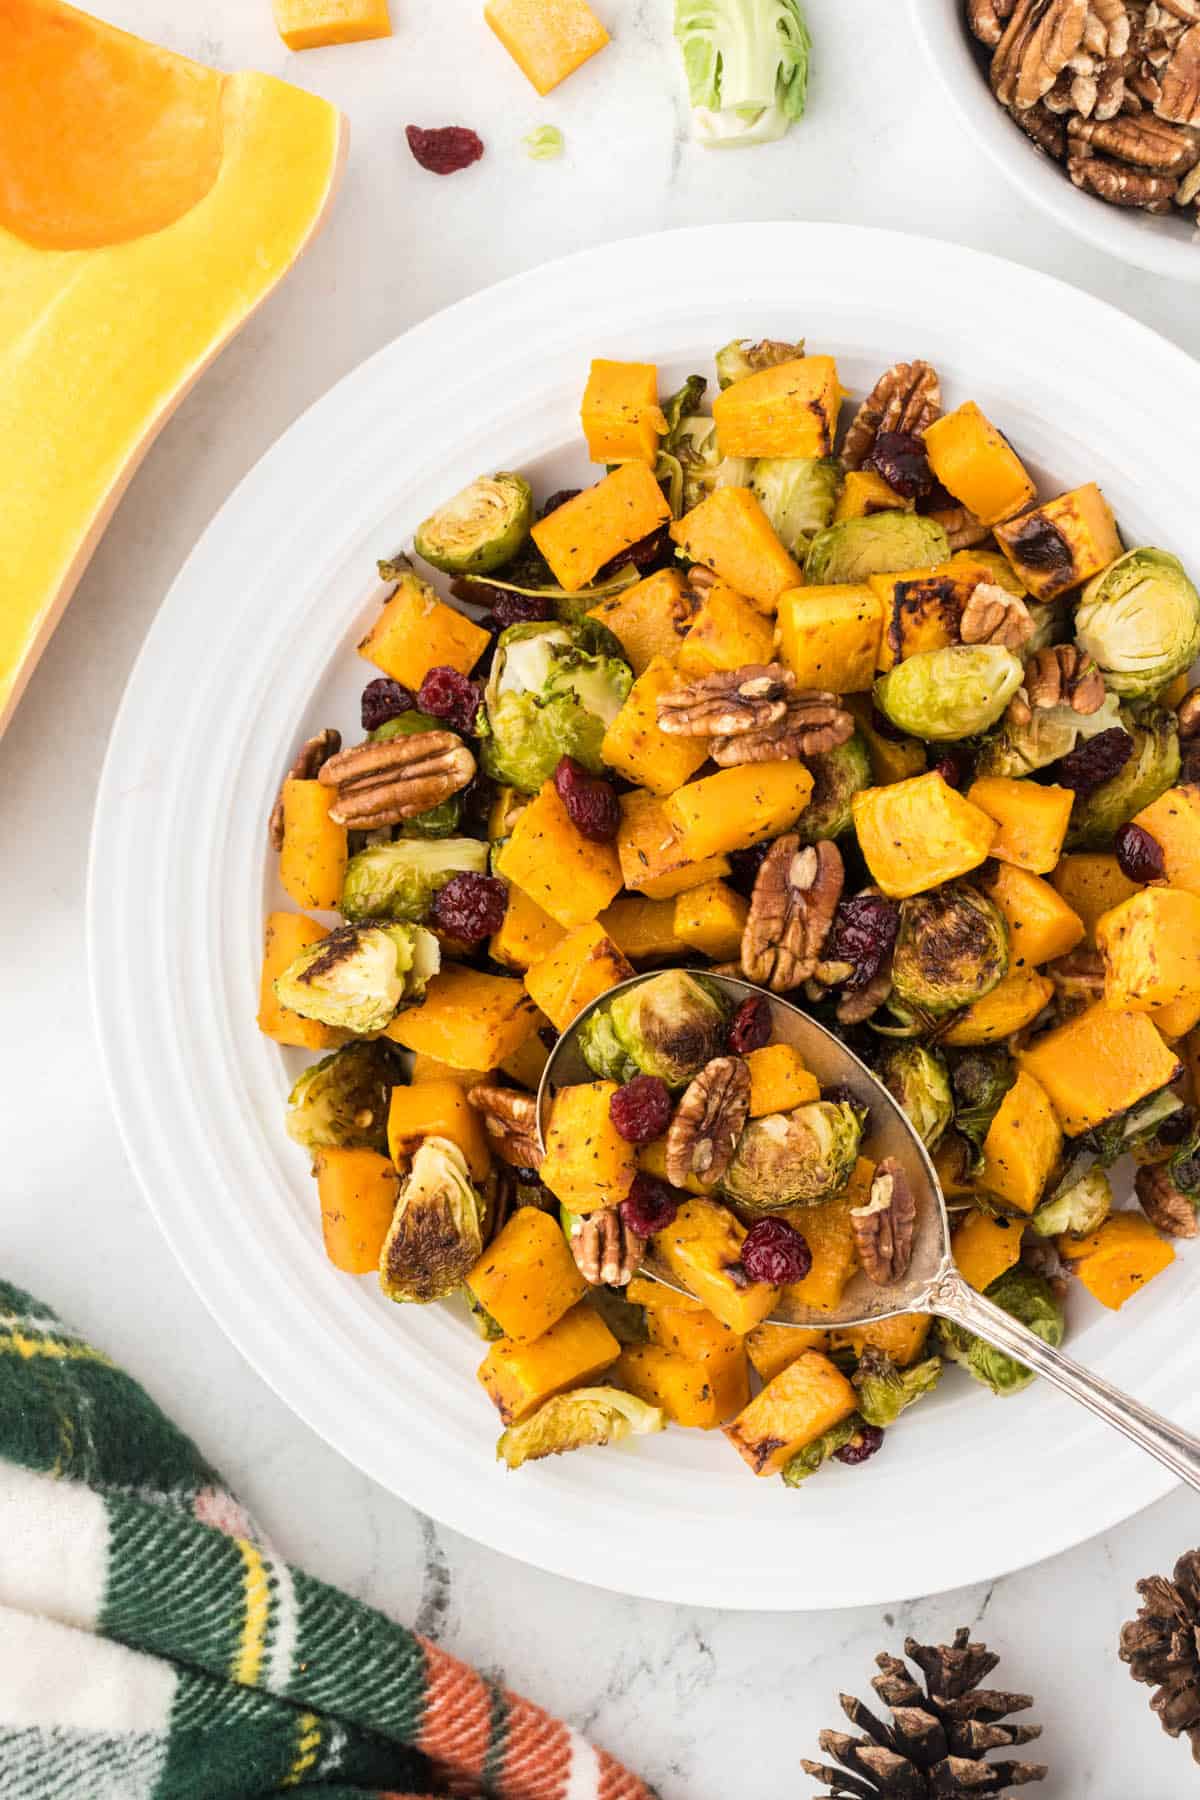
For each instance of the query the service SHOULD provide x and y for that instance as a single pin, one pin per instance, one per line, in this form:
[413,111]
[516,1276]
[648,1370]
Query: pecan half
[733,700]
[1059,675]
[1188,714]
[994,616]
[1120,185]
[307,765]
[1180,101]
[1047,131]
[1145,142]
[885,1227]
[791,910]
[708,1121]
[987,19]
[906,398]
[961,527]
[1078,982]
[1164,1204]
[510,1120]
[606,1252]
[812,724]
[1041,38]
[383,784]
[1108,29]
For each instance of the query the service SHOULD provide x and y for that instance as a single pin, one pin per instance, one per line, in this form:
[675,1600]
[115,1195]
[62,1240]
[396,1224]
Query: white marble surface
[707,1705]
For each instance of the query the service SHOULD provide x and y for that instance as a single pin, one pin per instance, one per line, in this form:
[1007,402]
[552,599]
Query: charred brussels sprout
[1132,1129]
[798,495]
[697,457]
[980,1080]
[597,1415]
[883,543]
[1028,1298]
[838,775]
[358,976]
[1019,749]
[884,1391]
[682,404]
[951,949]
[814,1456]
[669,1026]
[553,691]
[796,1158]
[918,1081]
[482,528]
[740,357]
[949,694]
[1150,771]
[436,1236]
[398,880]
[342,1101]
[1079,1209]
[1139,621]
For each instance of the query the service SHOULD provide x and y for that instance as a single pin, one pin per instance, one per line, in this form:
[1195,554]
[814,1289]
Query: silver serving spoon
[932,1283]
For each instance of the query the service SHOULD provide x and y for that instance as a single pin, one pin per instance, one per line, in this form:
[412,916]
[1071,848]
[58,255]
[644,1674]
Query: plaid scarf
[154,1647]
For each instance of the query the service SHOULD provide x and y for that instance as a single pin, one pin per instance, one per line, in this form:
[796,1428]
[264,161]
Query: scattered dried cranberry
[900,458]
[649,1206]
[1140,855]
[862,1446]
[548,1036]
[955,768]
[1094,762]
[446,149]
[641,1110]
[558,498]
[643,555]
[521,609]
[383,700]
[750,1027]
[470,907]
[938,499]
[774,1251]
[445,694]
[863,935]
[744,866]
[592,805]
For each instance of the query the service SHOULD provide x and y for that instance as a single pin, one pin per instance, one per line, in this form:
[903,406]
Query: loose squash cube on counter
[731,534]
[633,745]
[893,758]
[416,632]
[727,632]
[703,1248]
[527,1278]
[697,1393]
[922,609]
[312,861]
[649,619]
[864,492]
[800,1404]
[357,1191]
[588,1164]
[1151,949]
[652,858]
[772,1348]
[584,964]
[643,930]
[788,410]
[437,1109]
[738,807]
[829,636]
[1040,923]
[976,463]
[1173,821]
[1022,1145]
[519,1376]
[902,1337]
[1032,817]
[547,39]
[1091,882]
[527,934]
[286,935]
[985,1248]
[468,1018]
[622,420]
[919,833]
[568,875]
[779,1080]
[1012,1004]
[652,1160]
[711,919]
[1063,543]
[583,534]
[1116,1261]
[1099,1064]
[311,24]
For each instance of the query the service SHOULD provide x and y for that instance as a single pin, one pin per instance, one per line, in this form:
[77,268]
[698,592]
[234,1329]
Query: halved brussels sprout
[949,694]
[838,775]
[918,1081]
[814,1456]
[1139,621]
[1079,1209]
[951,949]
[1183,1167]
[1028,1298]
[1150,771]
[1019,749]
[883,543]
[342,1101]
[553,691]
[399,880]
[1131,1129]
[480,529]
[798,495]
[436,1235]
[697,456]
[795,1158]
[596,1415]
[740,357]
[358,976]
[884,1391]
[669,1026]
[680,405]
[979,1082]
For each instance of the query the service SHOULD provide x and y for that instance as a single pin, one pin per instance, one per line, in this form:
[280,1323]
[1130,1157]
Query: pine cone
[938,1737]
[1162,1647]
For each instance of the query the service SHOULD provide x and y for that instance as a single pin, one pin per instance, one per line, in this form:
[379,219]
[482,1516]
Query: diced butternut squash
[358,1190]
[772,1348]
[644,1291]
[286,935]
[312,862]
[526,1064]
[711,919]
[1092,883]
[902,1338]
[650,618]
[1115,1262]
[829,636]
[650,849]
[803,1402]
[976,463]
[691,1330]
[985,1247]
[1173,821]
[738,807]
[635,747]
[437,1109]
[1065,542]
[918,833]
[547,39]
[727,632]
[468,1018]
[588,1164]
[527,1278]
[527,933]
[652,1160]
[702,1248]
[584,964]
[922,609]
[779,1080]
[1178,1018]
[731,534]
[788,410]
[951,1160]
[893,758]
[702,1394]
[519,1376]
[1099,1063]
[1022,1146]
[1032,818]
[580,536]
[1012,1004]
[864,492]
[829,1232]
[416,632]
[643,930]
[1151,949]
[568,875]
[311,24]
[622,420]
[1040,924]
[432,1068]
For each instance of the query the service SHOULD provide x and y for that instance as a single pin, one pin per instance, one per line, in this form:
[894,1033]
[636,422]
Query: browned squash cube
[829,636]
[588,1163]
[622,420]
[468,1018]
[699,1393]
[711,919]
[1151,949]
[1091,882]
[802,1403]
[527,1278]
[1012,1004]
[1057,546]
[312,862]
[788,410]
[727,633]
[519,1376]
[1173,821]
[437,1109]
[703,1250]
[650,618]
[652,859]
[1032,816]
[902,1337]
[568,875]
[584,964]
[286,935]
[1040,924]
[1022,1146]
[1115,1262]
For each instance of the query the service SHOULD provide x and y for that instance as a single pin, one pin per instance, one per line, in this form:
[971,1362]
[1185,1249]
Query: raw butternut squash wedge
[622,420]
[779,1080]
[711,919]
[584,964]
[148,205]
[1151,949]
[985,1247]
[829,636]
[789,410]
[738,807]
[727,632]
[1116,1261]
[650,618]
[803,1402]
[312,862]
[1065,542]
[1032,818]
[918,833]
[1092,883]
[703,1249]
[312,24]
[1173,821]
[519,1376]
[468,1018]
[569,876]
[588,1164]
[357,1190]
[1098,1064]
[527,1278]
[652,858]
[1040,924]
[976,463]
[547,39]
[437,1109]
[634,746]
[287,934]
[1023,1144]
[416,632]
[580,536]
[701,1394]
[731,534]
[643,930]
[1012,1004]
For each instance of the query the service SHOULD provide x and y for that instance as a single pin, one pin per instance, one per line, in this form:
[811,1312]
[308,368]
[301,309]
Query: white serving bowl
[1167,245]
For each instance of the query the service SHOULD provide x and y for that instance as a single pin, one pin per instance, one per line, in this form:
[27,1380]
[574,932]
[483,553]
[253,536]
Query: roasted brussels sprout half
[342,1101]
[399,880]
[553,691]
[699,467]
[918,1081]
[682,404]
[1150,771]
[814,1456]
[596,1415]
[1019,749]
[795,1158]
[884,1391]
[436,1236]
[669,1026]
[1079,1209]
[1139,621]
[979,1082]
[480,529]
[740,357]
[883,543]
[1028,1298]
[358,976]
[1183,1166]
[951,949]
[798,495]
[1130,1130]
[838,775]
[948,694]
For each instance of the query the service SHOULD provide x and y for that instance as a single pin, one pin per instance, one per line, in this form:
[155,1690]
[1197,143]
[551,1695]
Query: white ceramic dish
[253,649]
[1169,245]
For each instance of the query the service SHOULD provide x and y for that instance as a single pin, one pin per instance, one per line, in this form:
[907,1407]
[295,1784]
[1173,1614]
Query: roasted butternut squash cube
[519,1376]
[432,1068]
[702,1394]
[1063,543]
[892,758]
[1115,1262]
[652,858]
[738,807]
[829,1232]
[357,1190]
[468,1018]
[584,964]
[644,1291]
[691,1330]
[588,1164]
[1099,1063]
[864,492]
[547,39]
[829,636]
[1023,1144]
[643,930]
[789,410]
[286,935]
[711,919]
[527,1064]
[779,1080]
[985,1247]
[1032,818]
[437,1109]
[976,463]
[416,632]
[650,618]
[801,1403]
[652,1160]
[1012,1004]
[727,632]
[731,534]
[527,934]
[703,1249]
[1178,1017]
[918,833]
[633,745]
[1091,883]
[1040,924]
[902,1337]
[527,1278]
[622,420]
[1151,949]
[1173,821]
[568,875]
[580,536]
[312,862]
[772,1348]
[311,24]
[922,609]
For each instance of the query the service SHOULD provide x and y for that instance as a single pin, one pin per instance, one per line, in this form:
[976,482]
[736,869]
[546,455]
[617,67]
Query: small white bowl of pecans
[1092,109]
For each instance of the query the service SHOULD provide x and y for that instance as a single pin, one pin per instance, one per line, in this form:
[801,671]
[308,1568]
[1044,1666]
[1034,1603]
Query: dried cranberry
[649,1206]
[475,802]
[882,726]
[592,805]
[1095,761]
[900,458]
[445,694]
[955,768]
[446,149]
[382,700]
[558,498]
[643,555]
[862,1446]
[470,907]
[548,1036]
[521,609]
[1140,855]
[750,1027]
[744,866]
[774,1251]
[863,935]
[937,499]
[641,1110]
[1189,771]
